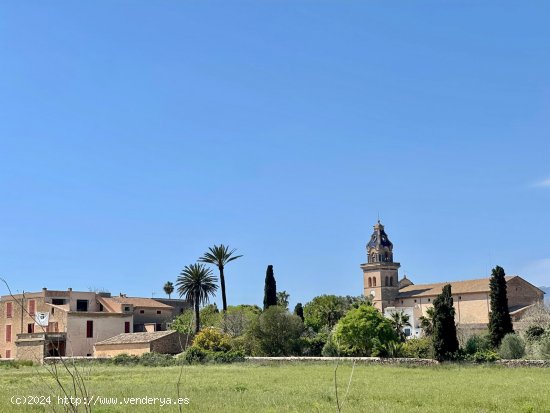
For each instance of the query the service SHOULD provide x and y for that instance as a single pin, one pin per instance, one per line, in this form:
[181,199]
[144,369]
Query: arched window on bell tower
[374,281]
[391,281]
[370,282]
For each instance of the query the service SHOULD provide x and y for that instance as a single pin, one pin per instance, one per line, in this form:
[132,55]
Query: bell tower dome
[380,272]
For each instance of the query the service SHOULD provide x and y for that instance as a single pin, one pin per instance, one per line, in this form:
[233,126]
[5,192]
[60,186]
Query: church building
[471,297]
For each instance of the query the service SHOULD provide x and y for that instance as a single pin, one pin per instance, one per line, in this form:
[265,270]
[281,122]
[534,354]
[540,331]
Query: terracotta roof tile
[137,302]
[133,338]
[457,287]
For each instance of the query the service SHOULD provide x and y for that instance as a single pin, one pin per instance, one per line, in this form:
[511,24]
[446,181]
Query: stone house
[69,323]
[166,342]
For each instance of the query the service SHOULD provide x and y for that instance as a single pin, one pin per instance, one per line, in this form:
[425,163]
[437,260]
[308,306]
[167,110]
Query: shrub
[227,357]
[484,356]
[544,347]
[512,347]
[125,359]
[156,360]
[212,339]
[363,331]
[245,344]
[276,332]
[312,343]
[421,348]
[534,333]
[477,343]
[330,349]
[195,355]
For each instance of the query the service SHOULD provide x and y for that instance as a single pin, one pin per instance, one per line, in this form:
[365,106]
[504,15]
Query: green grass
[303,388]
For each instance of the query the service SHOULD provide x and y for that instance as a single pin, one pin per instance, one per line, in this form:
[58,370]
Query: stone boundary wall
[523,363]
[359,360]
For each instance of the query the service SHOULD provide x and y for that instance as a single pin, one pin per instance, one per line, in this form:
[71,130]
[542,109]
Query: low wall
[523,363]
[359,360]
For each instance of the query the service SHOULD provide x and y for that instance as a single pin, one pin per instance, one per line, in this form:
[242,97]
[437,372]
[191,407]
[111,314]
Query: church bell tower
[380,275]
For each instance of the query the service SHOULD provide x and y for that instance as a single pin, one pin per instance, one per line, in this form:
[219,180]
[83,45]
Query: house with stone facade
[471,297]
[69,323]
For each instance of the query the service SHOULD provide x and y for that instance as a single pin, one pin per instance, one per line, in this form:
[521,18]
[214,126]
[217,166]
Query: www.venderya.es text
[99,401]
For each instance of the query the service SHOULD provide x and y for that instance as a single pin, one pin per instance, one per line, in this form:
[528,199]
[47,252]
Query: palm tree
[400,320]
[196,283]
[169,288]
[427,322]
[220,255]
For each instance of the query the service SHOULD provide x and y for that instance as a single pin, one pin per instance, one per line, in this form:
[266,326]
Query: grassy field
[301,388]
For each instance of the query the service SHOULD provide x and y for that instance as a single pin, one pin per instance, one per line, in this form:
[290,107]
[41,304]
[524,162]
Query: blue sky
[133,135]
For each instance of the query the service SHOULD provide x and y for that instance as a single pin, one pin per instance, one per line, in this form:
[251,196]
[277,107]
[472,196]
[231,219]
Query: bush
[15,364]
[544,347]
[276,332]
[512,347]
[421,348]
[364,331]
[477,343]
[330,349]
[484,356]
[534,333]
[156,360]
[212,339]
[195,355]
[125,359]
[227,357]
[312,343]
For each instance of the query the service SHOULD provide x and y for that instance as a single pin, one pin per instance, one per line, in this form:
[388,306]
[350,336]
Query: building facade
[69,323]
[471,297]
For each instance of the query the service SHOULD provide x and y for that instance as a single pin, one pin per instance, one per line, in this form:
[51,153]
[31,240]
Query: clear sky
[133,135]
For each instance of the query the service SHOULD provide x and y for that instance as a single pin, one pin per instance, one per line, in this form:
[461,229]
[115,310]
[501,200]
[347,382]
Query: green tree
[427,322]
[276,332]
[445,340]
[238,318]
[220,256]
[169,288]
[363,331]
[270,288]
[400,320]
[196,283]
[500,322]
[282,299]
[325,311]
[299,311]
[210,316]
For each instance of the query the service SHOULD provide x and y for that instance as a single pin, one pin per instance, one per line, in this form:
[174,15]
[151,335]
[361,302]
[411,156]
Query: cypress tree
[445,341]
[500,322]
[299,311]
[270,289]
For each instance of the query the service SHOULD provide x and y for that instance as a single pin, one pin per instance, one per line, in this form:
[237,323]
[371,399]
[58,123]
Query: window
[30,328]
[8,333]
[407,332]
[370,282]
[158,327]
[32,307]
[89,329]
[387,281]
[142,311]
[429,299]
[58,301]
[391,281]
[53,310]
[9,310]
[8,354]
[126,308]
[373,281]
[158,311]
[81,305]
[101,307]
[126,326]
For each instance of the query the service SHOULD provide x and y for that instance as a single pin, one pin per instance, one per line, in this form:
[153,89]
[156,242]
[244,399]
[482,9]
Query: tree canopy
[500,322]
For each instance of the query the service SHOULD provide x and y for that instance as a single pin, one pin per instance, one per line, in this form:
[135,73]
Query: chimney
[69,289]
